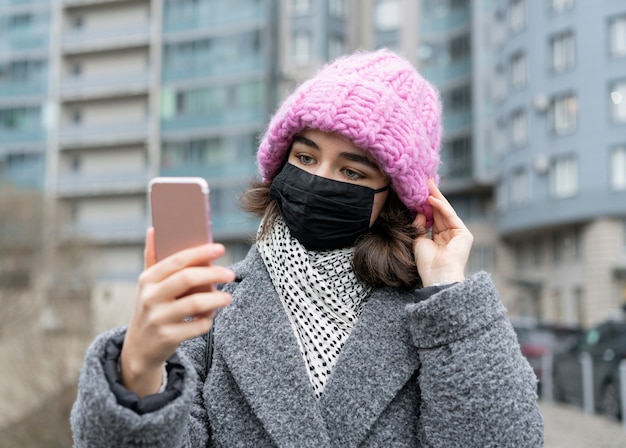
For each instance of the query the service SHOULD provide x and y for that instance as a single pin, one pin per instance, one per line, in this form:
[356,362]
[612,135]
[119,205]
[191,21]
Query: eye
[305,159]
[352,175]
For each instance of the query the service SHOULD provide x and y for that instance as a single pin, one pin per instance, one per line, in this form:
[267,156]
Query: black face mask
[322,213]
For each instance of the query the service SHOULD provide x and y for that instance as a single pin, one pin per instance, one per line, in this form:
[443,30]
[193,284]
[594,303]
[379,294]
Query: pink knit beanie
[382,104]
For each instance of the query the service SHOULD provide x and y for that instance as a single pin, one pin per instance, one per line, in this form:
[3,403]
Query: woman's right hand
[159,323]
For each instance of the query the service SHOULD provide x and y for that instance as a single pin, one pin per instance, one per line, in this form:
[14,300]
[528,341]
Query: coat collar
[373,366]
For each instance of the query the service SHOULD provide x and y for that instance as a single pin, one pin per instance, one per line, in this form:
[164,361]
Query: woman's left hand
[442,258]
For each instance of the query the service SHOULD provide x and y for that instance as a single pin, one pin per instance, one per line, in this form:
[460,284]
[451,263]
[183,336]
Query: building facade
[99,96]
[560,93]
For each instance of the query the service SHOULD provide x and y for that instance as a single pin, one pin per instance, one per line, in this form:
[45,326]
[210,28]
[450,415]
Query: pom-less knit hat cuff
[383,105]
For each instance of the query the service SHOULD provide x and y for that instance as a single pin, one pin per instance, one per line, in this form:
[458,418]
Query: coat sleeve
[477,390]
[99,421]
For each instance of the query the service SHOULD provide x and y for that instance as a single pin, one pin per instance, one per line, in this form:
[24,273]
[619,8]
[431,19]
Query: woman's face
[335,157]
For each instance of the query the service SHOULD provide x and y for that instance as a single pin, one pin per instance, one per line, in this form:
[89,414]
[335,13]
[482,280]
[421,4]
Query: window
[563,114]
[336,8]
[456,158]
[458,99]
[78,22]
[518,70]
[302,48]
[618,102]
[517,15]
[617,37]
[520,187]
[76,69]
[519,129]
[20,118]
[618,168]
[562,54]
[301,7]
[459,47]
[335,47]
[564,177]
[77,116]
[560,5]
[387,15]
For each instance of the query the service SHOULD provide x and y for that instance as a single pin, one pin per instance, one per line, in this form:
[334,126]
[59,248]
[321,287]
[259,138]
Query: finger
[444,215]
[181,282]
[196,305]
[149,254]
[435,191]
[196,256]
[179,332]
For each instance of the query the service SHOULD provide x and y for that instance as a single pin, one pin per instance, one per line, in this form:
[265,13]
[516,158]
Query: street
[568,427]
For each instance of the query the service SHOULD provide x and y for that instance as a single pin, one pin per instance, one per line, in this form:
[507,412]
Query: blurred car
[538,340]
[606,345]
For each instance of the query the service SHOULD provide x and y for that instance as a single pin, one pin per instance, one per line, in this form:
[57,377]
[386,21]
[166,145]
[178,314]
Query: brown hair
[382,257]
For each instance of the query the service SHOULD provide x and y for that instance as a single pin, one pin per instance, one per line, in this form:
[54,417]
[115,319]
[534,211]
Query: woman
[347,324]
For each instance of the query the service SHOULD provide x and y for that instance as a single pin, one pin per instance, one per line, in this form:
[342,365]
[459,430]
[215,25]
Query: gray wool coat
[441,372]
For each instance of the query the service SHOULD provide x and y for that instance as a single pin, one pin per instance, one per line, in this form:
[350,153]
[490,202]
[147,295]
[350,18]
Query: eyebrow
[351,156]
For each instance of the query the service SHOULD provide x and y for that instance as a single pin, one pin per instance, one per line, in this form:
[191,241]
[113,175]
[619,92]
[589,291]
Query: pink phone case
[181,214]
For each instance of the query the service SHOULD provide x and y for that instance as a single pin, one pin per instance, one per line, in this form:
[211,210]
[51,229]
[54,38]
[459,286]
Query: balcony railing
[242,169]
[31,176]
[205,67]
[35,38]
[209,16]
[235,224]
[451,19]
[447,72]
[455,121]
[110,37]
[6,3]
[21,136]
[184,123]
[103,85]
[36,87]
[103,133]
[89,183]
[130,230]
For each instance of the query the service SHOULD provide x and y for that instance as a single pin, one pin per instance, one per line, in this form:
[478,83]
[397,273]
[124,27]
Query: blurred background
[99,96]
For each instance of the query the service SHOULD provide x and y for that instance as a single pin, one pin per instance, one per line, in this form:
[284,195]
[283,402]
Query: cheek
[379,202]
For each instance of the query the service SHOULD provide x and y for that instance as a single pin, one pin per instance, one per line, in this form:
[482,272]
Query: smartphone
[181,214]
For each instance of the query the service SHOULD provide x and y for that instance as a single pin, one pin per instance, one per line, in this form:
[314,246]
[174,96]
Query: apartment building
[561,138]
[24,60]
[98,96]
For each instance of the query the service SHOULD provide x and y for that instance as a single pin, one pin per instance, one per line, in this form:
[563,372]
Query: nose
[324,170]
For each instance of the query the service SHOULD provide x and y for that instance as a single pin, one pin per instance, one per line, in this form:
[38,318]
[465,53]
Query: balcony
[206,67]
[243,169]
[19,137]
[16,90]
[238,118]
[25,40]
[29,176]
[121,181]
[451,19]
[107,232]
[443,73]
[127,36]
[220,14]
[457,121]
[79,88]
[103,134]
[234,224]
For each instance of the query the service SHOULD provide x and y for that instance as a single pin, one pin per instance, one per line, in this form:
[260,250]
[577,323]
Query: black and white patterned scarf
[320,293]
